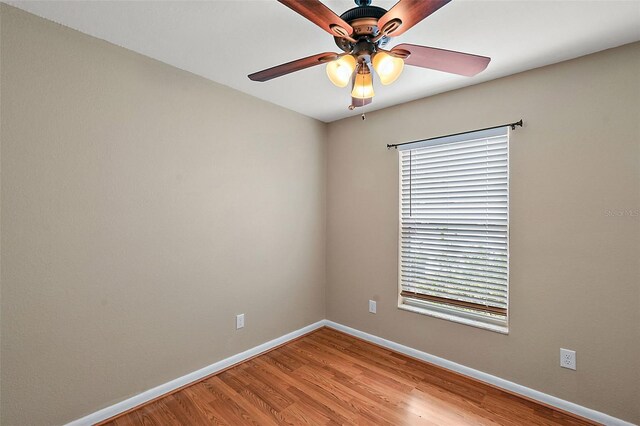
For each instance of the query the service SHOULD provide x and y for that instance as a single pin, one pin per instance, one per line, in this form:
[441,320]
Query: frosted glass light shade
[363,86]
[340,70]
[388,67]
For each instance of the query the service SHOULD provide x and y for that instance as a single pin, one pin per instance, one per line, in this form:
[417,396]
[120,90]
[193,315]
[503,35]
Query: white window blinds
[454,223]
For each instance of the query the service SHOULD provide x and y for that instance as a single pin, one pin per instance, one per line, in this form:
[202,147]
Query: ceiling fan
[362,33]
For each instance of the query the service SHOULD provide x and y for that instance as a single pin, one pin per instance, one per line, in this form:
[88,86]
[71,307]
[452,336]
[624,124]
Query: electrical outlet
[372,306]
[568,359]
[239,321]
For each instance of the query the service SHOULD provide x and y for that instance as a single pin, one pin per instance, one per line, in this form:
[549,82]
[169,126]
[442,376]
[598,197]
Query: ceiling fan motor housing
[364,21]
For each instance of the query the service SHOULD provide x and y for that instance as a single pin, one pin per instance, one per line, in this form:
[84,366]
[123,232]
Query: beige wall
[0,218]
[575,271]
[142,208]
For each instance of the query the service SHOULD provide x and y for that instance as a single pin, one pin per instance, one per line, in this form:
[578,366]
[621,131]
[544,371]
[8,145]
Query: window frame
[451,313]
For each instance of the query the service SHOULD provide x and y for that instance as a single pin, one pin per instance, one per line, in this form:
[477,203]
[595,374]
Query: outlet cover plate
[372,306]
[239,321]
[568,359]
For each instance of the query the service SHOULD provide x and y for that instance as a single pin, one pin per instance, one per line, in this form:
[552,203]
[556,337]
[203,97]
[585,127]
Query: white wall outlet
[239,321]
[568,359]
[372,306]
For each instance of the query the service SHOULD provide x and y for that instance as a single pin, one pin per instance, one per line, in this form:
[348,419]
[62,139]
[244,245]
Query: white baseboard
[484,377]
[150,394]
[165,388]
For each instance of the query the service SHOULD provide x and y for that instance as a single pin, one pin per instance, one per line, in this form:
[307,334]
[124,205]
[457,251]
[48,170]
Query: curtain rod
[512,125]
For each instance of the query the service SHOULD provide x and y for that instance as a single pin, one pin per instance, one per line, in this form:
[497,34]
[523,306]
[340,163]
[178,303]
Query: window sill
[502,329]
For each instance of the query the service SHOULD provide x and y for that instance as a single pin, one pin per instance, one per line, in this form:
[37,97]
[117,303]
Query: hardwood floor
[330,378]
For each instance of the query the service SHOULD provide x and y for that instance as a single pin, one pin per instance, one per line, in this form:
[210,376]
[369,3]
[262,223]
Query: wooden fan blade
[444,60]
[357,103]
[410,12]
[320,15]
[293,66]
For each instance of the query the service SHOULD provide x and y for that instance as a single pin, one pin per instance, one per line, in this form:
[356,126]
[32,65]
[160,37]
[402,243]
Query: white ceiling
[226,40]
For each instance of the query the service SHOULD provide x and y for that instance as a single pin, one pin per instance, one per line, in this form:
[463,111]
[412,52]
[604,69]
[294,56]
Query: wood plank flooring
[330,378]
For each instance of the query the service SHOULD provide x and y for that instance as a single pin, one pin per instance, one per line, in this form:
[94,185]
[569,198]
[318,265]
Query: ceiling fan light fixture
[363,86]
[361,33]
[341,70]
[388,67]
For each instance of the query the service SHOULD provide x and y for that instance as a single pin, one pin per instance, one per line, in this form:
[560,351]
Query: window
[454,228]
